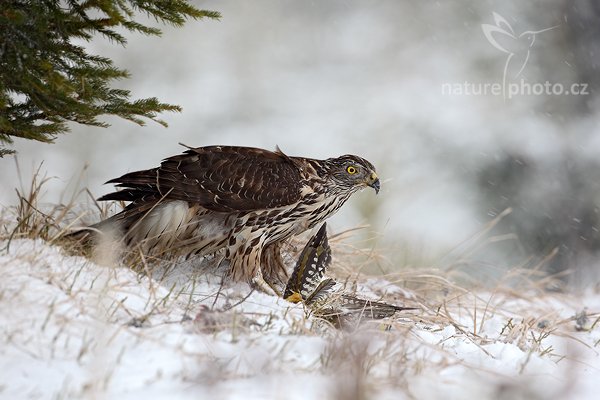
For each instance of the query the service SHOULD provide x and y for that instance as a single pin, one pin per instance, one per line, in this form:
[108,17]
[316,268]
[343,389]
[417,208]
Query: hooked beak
[373,181]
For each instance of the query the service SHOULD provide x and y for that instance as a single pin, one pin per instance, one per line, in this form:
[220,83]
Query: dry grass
[386,353]
[32,219]
[433,289]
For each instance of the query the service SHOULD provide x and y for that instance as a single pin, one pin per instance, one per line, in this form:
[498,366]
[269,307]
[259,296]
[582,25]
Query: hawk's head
[351,173]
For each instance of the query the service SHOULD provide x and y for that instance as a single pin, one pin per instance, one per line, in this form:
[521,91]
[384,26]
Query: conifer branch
[47,81]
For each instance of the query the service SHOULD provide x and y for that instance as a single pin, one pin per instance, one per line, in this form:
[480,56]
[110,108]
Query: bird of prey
[307,285]
[241,201]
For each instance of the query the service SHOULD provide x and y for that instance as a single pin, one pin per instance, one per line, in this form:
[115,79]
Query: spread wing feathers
[322,292]
[307,285]
[219,178]
[310,268]
[346,312]
[369,308]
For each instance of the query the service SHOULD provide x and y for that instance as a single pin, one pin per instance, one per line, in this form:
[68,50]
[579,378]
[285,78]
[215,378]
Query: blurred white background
[322,79]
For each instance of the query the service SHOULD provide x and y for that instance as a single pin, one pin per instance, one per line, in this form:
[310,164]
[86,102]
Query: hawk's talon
[259,283]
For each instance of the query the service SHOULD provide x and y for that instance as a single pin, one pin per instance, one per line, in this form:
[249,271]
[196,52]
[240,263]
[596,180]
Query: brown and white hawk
[241,200]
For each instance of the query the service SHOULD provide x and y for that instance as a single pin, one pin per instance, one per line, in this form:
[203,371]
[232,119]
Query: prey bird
[308,285]
[240,201]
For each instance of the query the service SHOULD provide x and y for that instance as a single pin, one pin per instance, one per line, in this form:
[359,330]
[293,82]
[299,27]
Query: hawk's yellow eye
[351,170]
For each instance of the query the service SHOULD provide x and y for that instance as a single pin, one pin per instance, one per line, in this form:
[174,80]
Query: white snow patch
[74,329]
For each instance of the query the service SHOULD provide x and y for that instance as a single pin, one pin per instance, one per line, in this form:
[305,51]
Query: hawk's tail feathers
[93,233]
[136,185]
[137,178]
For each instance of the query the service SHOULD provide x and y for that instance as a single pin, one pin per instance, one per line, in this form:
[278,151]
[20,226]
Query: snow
[75,329]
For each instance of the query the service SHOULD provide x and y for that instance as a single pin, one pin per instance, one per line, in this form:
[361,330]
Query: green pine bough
[46,80]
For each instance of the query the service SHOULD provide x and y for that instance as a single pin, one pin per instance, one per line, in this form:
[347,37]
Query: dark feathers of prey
[308,285]
[242,201]
[307,276]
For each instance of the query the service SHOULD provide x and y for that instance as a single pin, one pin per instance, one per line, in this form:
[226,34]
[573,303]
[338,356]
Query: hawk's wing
[219,178]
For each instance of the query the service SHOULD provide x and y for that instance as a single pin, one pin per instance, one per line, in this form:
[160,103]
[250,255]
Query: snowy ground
[74,329]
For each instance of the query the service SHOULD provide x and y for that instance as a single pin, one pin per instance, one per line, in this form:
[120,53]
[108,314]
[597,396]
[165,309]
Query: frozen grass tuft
[78,324]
